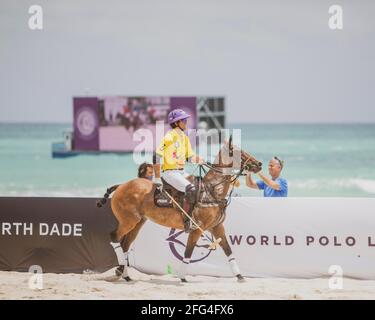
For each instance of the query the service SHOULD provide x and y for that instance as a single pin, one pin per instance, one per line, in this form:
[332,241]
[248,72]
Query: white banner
[274,237]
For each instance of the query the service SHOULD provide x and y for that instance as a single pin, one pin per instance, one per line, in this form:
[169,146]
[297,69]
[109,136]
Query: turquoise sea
[321,160]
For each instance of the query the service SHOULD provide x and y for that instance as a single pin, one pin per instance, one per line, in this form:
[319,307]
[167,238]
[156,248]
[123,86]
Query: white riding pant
[176,178]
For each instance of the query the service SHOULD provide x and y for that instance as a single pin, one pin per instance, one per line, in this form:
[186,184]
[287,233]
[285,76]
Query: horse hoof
[183,280]
[240,278]
[128,279]
[119,271]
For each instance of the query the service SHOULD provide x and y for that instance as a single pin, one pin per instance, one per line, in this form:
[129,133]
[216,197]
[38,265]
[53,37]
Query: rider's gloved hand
[198,160]
[201,161]
[159,184]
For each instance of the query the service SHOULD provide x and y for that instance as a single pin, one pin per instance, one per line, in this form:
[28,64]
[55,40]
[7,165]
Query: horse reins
[236,176]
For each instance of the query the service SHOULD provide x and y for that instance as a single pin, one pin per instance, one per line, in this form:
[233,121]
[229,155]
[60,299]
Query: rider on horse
[175,149]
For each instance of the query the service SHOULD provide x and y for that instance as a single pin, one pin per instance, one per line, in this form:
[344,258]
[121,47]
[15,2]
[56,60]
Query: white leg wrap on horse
[233,265]
[119,253]
[183,268]
[125,272]
[126,257]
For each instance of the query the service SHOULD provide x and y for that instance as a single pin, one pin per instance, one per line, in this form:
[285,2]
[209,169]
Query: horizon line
[228,123]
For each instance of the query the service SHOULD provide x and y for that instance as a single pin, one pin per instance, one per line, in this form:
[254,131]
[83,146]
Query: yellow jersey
[174,148]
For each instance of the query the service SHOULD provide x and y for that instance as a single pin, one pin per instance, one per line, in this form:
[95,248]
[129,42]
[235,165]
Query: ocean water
[321,160]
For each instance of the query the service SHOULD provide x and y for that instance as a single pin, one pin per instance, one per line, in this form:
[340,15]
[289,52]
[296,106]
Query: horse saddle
[162,200]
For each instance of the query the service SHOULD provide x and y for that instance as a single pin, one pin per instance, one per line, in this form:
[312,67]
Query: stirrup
[187,226]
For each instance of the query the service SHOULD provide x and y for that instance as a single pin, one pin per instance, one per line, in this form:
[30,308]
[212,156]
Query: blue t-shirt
[269,192]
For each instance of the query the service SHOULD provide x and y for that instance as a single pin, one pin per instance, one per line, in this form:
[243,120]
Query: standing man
[275,187]
[146,170]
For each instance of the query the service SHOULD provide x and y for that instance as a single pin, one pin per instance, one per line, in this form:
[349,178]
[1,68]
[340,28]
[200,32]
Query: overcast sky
[274,61]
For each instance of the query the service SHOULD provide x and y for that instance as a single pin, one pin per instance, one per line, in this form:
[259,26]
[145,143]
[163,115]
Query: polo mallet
[213,244]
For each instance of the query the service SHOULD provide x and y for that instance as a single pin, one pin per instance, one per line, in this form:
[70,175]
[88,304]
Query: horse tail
[100,203]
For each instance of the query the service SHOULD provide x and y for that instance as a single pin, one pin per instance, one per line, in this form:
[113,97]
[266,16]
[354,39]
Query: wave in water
[365,185]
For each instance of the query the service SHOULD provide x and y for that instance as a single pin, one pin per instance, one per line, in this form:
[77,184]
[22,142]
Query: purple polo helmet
[176,115]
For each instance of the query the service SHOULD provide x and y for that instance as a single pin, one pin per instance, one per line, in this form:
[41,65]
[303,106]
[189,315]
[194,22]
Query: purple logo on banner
[177,246]
[86,123]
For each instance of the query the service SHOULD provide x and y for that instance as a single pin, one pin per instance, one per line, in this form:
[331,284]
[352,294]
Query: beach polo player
[175,149]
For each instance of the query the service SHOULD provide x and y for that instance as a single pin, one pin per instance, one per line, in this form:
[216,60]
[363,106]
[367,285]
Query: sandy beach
[15,285]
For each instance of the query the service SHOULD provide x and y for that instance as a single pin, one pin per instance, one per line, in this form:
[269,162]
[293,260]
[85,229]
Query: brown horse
[133,204]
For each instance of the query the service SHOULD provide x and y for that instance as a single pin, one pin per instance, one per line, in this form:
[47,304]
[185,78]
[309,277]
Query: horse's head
[249,163]
[233,158]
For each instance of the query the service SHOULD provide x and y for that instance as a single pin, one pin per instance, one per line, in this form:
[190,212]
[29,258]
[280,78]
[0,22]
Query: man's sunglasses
[281,162]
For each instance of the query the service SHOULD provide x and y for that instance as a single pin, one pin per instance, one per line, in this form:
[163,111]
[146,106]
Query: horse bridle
[217,167]
[233,177]
[244,166]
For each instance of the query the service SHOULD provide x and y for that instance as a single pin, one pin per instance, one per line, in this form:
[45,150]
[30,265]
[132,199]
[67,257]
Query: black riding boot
[189,203]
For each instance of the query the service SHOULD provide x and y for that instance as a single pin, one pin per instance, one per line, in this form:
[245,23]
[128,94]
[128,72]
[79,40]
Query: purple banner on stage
[121,118]
[86,123]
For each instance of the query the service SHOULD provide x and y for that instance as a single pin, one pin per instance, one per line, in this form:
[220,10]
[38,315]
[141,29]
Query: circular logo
[86,122]
[177,240]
